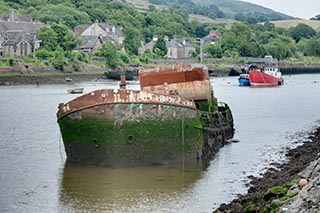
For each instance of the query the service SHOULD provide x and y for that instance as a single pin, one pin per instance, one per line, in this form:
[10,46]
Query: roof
[88,41]
[13,36]
[150,44]
[178,43]
[28,27]
[98,29]
[212,36]
[173,44]
[23,18]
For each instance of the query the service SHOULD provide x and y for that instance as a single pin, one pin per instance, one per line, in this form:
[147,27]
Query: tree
[57,36]
[279,49]
[229,41]
[312,47]
[302,31]
[44,54]
[65,37]
[251,49]
[48,38]
[71,40]
[151,8]
[132,40]
[317,17]
[63,14]
[214,50]
[59,60]
[160,47]
[109,52]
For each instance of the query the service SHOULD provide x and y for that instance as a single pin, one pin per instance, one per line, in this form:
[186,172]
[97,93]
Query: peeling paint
[175,117]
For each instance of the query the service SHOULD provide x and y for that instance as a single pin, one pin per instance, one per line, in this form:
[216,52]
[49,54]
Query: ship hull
[96,141]
[258,78]
[123,128]
[145,131]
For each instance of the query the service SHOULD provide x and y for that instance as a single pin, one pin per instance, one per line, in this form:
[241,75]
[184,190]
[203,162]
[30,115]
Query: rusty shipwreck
[174,118]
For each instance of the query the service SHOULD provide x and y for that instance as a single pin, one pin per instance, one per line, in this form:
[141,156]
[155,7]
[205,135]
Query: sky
[304,9]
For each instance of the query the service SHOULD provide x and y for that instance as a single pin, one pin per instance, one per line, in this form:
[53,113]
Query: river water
[34,177]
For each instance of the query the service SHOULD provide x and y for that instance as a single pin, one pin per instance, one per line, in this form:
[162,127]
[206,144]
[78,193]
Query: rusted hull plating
[130,128]
[174,118]
[188,81]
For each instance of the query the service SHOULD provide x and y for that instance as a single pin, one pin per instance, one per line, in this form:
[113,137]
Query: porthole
[96,143]
[130,139]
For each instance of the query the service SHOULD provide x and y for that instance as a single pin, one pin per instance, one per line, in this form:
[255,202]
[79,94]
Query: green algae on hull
[174,118]
[143,141]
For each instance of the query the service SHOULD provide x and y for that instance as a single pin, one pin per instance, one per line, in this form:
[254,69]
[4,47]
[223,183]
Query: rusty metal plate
[173,74]
[110,96]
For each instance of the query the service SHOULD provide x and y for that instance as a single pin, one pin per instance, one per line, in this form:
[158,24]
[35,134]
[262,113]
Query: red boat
[268,75]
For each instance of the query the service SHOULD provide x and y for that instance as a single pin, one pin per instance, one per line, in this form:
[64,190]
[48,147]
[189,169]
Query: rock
[303,182]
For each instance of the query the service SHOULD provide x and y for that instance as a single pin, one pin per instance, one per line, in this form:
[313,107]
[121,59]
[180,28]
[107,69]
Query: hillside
[227,9]
[227,23]
[233,7]
[293,23]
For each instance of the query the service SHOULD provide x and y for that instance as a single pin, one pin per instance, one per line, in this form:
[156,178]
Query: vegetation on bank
[271,200]
[242,39]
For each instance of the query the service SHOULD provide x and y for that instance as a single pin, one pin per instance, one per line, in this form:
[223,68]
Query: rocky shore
[293,186]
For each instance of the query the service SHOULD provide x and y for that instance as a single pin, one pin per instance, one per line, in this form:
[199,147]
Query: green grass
[139,4]
[204,19]
[293,23]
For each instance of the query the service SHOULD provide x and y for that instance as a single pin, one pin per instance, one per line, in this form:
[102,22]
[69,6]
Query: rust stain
[188,81]
[110,96]
[172,74]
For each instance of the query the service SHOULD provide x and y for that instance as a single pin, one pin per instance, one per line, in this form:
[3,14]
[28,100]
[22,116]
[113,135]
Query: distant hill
[227,9]
[233,7]
[227,23]
[293,23]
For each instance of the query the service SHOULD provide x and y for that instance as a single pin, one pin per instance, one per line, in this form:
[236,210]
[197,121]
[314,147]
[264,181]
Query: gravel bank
[278,190]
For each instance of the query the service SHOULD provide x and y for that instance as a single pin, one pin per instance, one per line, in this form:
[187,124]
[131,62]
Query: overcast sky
[305,9]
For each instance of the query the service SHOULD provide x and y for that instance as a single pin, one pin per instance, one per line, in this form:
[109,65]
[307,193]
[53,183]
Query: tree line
[243,39]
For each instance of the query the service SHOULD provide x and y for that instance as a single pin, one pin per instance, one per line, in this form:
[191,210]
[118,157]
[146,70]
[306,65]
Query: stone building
[94,35]
[18,35]
[177,48]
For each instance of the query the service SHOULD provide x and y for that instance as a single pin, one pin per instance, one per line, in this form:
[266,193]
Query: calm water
[34,177]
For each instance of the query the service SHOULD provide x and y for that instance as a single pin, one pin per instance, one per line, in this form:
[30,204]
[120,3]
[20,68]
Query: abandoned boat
[174,118]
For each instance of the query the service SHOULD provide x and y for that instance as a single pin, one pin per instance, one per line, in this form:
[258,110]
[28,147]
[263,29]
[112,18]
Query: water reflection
[155,189]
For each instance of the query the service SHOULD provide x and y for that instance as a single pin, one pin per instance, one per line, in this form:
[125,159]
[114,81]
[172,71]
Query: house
[18,37]
[177,48]
[148,46]
[90,44]
[212,37]
[13,17]
[94,35]
[17,42]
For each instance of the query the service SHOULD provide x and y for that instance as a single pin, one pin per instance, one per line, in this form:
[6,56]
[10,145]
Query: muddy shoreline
[257,198]
[52,79]
[24,79]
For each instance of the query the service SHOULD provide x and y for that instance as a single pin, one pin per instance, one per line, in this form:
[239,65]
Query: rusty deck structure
[174,118]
